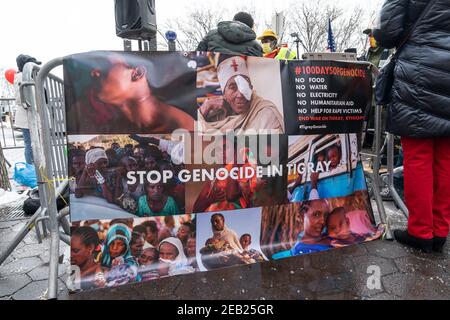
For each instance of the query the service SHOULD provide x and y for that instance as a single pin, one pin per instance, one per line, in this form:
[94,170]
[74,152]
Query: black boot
[422,244]
[438,244]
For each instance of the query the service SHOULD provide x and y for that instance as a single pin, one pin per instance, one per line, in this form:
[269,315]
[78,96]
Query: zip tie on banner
[51,186]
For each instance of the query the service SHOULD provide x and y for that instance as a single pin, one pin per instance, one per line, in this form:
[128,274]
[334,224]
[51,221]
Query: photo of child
[119,92]
[317,225]
[323,166]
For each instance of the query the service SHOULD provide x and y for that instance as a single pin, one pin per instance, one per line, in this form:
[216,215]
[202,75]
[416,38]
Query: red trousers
[427,186]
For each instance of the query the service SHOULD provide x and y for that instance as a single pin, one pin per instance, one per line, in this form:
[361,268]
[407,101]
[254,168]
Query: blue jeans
[28,149]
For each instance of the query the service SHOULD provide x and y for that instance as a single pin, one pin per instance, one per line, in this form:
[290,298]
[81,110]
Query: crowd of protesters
[110,253]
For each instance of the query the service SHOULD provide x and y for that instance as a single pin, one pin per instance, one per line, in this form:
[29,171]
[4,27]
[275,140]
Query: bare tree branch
[308,18]
[194,27]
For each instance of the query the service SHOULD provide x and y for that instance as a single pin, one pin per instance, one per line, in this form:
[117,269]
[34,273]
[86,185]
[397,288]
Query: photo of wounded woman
[100,168]
[119,92]
[109,253]
[243,192]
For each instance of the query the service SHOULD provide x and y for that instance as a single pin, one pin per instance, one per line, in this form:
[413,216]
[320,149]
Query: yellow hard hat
[268,33]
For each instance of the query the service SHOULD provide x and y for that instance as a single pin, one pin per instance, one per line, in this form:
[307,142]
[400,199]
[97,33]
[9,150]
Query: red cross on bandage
[235,65]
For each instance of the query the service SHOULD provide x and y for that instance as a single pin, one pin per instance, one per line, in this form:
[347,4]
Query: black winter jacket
[231,37]
[420,105]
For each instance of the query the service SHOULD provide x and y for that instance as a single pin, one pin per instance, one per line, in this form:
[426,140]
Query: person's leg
[399,162]
[418,178]
[28,149]
[441,197]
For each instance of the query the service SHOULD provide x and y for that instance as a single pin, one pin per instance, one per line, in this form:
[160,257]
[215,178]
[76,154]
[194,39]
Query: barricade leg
[63,221]
[390,167]
[21,234]
[376,174]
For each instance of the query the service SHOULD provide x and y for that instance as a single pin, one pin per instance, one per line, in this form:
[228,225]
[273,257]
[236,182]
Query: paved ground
[337,274]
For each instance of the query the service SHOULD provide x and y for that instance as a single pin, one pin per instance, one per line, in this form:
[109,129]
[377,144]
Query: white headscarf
[180,259]
[227,69]
[95,154]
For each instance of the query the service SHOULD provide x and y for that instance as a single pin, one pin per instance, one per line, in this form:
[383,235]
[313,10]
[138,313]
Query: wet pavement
[348,273]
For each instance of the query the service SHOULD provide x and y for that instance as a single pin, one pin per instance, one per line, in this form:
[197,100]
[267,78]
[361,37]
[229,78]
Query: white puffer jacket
[21,116]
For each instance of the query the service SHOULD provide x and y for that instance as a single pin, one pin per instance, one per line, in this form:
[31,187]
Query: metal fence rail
[54,171]
[9,138]
[43,96]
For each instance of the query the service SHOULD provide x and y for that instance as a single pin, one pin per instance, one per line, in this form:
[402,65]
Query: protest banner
[185,162]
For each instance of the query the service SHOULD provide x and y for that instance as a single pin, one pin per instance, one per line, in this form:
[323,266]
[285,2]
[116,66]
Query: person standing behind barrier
[419,112]
[233,37]
[269,42]
[377,56]
[21,116]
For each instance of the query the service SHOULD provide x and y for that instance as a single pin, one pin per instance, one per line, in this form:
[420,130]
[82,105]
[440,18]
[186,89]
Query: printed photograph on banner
[251,174]
[238,93]
[228,238]
[320,95]
[125,176]
[110,253]
[120,92]
[317,225]
[323,166]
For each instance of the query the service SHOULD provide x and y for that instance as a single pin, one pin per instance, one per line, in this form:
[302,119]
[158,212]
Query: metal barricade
[27,92]
[43,94]
[9,136]
[390,174]
[53,168]
[375,174]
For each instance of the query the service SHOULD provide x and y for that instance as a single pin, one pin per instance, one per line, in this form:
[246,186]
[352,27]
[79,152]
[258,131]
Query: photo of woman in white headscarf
[93,180]
[172,259]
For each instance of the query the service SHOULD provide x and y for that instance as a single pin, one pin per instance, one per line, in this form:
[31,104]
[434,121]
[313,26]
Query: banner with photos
[185,162]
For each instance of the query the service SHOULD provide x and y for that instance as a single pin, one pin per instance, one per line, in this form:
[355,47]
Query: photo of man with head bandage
[240,108]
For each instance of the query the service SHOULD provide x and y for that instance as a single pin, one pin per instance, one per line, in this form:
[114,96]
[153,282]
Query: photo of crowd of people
[101,188]
[120,92]
[232,97]
[223,240]
[317,225]
[109,253]
[324,166]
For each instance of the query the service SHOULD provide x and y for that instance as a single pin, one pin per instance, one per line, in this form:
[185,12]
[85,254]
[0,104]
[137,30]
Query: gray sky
[51,28]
